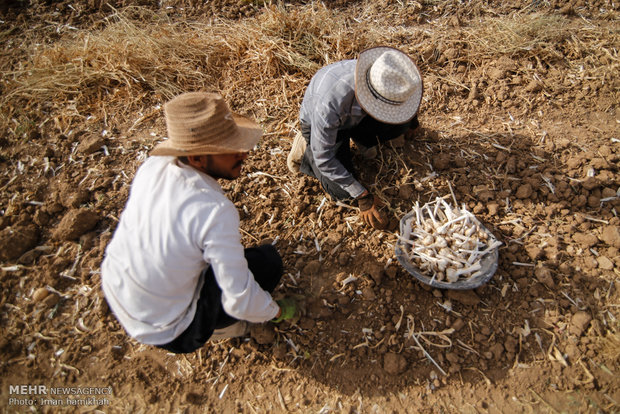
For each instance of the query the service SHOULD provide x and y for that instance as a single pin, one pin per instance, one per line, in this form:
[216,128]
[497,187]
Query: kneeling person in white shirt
[175,273]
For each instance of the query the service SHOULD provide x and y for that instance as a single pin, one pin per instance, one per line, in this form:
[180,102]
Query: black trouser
[367,133]
[265,264]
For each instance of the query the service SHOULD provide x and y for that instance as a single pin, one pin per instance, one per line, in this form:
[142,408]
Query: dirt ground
[528,141]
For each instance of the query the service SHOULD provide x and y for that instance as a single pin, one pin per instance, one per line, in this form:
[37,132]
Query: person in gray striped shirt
[370,100]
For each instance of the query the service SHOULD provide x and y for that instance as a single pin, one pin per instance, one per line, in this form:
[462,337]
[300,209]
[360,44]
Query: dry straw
[141,56]
[136,58]
[260,64]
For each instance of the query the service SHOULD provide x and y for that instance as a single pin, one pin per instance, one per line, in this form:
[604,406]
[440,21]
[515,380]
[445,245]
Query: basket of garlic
[446,247]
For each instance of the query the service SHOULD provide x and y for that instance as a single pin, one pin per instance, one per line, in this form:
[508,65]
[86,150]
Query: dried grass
[260,64]
[611,344]
[524,35]
[141,54]
[119,64]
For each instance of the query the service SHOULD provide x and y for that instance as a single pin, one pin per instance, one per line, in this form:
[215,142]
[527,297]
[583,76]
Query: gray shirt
[330,105]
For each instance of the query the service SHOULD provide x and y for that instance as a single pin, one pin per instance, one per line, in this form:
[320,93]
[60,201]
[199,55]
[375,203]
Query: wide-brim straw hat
[200,123]
[388,84]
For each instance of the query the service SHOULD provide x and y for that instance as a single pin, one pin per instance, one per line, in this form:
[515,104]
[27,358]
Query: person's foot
[240,328]
[293,161]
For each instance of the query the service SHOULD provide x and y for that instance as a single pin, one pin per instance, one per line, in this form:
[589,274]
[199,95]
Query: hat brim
[248,134]
[379,110]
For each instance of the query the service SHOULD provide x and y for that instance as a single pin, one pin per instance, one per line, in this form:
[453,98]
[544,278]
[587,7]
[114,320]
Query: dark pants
[367,133]
[265,264]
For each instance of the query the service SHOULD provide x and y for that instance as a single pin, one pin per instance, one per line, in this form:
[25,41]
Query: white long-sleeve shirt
[177,221]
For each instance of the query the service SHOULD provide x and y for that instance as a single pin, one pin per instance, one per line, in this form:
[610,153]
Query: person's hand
[288,310]
[369,211]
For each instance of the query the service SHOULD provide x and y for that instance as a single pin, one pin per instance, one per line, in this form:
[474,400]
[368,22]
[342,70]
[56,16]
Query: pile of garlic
[446,243]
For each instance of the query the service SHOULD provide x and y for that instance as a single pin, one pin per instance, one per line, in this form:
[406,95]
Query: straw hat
[388,85]
[200,123]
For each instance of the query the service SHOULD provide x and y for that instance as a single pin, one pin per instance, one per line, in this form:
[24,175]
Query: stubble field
[519,116]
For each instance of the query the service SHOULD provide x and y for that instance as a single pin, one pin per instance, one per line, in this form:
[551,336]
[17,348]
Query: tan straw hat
[388,85]
[200,123]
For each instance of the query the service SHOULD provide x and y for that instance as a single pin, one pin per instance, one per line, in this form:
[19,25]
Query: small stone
[40,294]
[466,297]
[590,183]
[306,323]
[510,345]
[492,208]
[263,334]
[441,161]
[312,267]
[604,263]
[394,364]
[90,144]
[406,191]
[543,274]
[524,191]
[458,324]
[498,351]
[75,223]
[573,352]
[453,357]
[51,300]
[611,236]
[533,251]
[376,272]
[585,240]
[579,322]
[368,293]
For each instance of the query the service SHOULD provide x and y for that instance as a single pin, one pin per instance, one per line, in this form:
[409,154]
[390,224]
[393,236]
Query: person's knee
[266,265]
[272,254]
[270,257]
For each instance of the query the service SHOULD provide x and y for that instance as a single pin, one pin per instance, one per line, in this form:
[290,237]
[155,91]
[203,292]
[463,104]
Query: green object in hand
[288,308]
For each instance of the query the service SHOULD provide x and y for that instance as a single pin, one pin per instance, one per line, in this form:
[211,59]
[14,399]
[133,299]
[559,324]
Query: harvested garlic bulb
[447,242]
